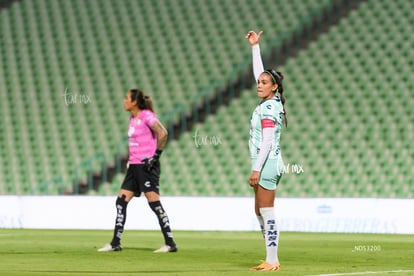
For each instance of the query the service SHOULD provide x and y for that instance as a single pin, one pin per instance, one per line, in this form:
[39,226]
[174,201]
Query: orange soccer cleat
[266,267]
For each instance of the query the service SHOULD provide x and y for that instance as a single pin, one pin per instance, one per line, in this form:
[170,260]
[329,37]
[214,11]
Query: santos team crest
[131,131]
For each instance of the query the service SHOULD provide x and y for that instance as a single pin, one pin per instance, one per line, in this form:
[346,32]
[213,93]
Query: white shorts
[271,173]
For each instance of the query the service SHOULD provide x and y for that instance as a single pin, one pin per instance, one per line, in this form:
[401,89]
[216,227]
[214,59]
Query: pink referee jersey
[142,142]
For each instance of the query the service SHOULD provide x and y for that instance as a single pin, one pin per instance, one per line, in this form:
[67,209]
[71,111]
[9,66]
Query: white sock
[261,223]
[271,234]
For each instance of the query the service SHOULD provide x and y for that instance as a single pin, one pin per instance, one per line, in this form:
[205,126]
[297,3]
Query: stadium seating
[348,93]
[348,130]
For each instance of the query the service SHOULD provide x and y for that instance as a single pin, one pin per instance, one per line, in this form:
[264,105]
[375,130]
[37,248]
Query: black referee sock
[163,221]
[121,206]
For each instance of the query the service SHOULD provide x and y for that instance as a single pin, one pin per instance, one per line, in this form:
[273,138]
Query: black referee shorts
[138,180]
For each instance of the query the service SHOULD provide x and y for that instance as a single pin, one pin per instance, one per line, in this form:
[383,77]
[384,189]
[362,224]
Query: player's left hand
[253,37]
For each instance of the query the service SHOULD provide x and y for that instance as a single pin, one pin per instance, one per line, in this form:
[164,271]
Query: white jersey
[271,109]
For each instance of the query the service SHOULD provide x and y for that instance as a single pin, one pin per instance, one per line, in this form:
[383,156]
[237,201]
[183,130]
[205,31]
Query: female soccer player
[147,138]
[265,153]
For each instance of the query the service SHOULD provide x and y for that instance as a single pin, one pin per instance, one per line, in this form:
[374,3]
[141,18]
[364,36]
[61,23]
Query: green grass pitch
[74,252]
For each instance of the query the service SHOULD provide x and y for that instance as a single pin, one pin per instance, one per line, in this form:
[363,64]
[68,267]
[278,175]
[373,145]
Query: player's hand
[254,178]
[150,163]
[253,37]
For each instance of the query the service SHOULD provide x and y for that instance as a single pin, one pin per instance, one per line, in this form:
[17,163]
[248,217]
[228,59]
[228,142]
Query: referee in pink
[147,138]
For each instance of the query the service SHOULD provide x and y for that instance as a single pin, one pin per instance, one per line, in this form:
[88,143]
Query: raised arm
[257,59]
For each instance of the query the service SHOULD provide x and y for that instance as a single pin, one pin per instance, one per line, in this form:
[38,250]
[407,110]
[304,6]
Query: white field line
[364,273]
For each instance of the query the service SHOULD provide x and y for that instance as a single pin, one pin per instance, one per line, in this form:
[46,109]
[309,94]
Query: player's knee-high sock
[121,206]
[163,221]
[271,234]
[261,223]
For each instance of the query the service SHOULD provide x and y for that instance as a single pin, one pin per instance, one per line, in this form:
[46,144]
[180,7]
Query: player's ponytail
[277,78]
[143,101]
